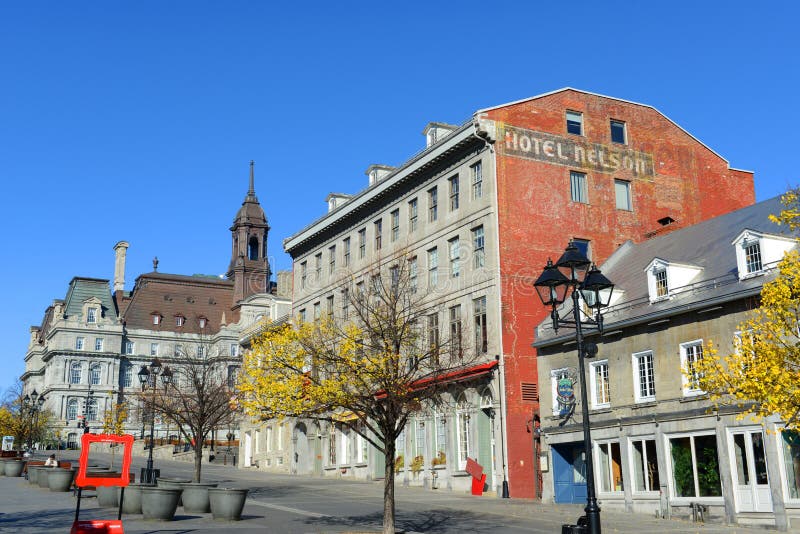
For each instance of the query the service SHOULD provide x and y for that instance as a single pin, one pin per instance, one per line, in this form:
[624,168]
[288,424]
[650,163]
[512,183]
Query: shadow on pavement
[428,522]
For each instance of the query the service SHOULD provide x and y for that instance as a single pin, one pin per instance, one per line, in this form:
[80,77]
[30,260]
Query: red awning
[457,375]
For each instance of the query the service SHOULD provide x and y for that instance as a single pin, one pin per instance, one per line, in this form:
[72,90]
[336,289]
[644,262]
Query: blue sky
[136,120]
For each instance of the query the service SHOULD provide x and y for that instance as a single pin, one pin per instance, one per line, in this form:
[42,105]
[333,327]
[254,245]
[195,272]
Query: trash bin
[574,529]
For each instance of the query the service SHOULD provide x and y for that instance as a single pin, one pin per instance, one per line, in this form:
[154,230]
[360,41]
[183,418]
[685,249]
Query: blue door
[569,473]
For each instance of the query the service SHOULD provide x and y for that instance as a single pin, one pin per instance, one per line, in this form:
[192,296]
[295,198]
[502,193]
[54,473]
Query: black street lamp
[32,406]
[149,378]
[574,272]
[87,407]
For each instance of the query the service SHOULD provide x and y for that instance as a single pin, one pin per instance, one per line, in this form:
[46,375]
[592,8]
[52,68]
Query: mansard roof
[706,245]
[172,295]
[82,289]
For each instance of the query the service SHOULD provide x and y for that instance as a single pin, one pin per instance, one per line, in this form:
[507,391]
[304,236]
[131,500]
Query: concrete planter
[159,503]
[132,501]
[3,467]
[195,497]
[13,468]
[60,479]
[173,483]
[227,503]
[33,473]
[107,496]
[44,476]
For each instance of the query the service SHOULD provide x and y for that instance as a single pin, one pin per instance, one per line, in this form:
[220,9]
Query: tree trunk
[388,489]
[198,459]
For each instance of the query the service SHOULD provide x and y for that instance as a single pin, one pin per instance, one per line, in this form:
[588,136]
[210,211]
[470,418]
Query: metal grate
[530,392]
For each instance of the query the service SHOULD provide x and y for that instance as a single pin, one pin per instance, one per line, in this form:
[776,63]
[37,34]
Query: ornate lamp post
[85,423]
[573,274]
[32,406]
[148,376]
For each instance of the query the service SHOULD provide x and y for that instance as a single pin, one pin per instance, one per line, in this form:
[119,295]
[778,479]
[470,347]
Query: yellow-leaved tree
[762,374]
[367,366]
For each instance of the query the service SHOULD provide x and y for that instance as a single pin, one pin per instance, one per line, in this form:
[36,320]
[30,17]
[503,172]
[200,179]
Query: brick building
[490,201]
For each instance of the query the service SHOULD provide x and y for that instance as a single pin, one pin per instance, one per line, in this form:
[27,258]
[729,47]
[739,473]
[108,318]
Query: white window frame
[73,378]
[638,397]
[688,390]
[80,343]
[782,462]
[463,431]
[280,436]
[624,131]
[598,469]
[625,186]
[578,187]
[479,247]
[577,118]
[433,268]
[454,253]
[72,409]
[98,344]
[153,349]
[594,390]
[130,348]
[95,372]
[269,439]
[632,467]
[670,469]
[477,180]
[91,315]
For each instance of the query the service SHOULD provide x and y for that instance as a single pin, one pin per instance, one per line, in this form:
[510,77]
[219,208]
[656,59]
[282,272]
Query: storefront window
[790,442]
[645,465]
[695,466]
[610,467]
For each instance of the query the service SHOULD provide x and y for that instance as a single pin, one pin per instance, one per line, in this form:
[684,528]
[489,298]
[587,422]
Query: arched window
[72,409]
[91,410]
[463,430]
[75,373]
[94,374]
[252,248]
[264,246]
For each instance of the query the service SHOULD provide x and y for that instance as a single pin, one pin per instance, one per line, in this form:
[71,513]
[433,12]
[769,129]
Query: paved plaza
[305,505]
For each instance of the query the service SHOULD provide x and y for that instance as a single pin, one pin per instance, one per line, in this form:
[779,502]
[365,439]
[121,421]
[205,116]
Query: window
[345,445]
[433,268]
[91,315]
[317,311]
[400,443]
[94,375]
[433,204]
[622,191]
[412,274]
[577,187]
[463,431]
[75,373]
[455,330]
[419,438]
[477,180]
[789,443]
[583,246]
[346,245]
[329,305]
[72,409]
[752,257]
[79,343]
[233,350]
[644,377]
[454,251]
[556,376]
[662,287]
[362,243]
[691,353]
[345,303]
[609,466]
[318,266]
[395,216]
[127,375]
[394,276]
[378,233]
[91,410]
[201,351]
[302,315]
[440,448]
[453,182]
[252,248]
[575,122]
[153,349]
[412,214]
[156,319]
[478,252]
[202,322]
[280,436]
[479,317]
[362,447]
[695,466]
[332,446]
[179,320]
[601,395]
[129,347]
[433,338]
[645,465]
[331,259]
[303,274]
[618,132]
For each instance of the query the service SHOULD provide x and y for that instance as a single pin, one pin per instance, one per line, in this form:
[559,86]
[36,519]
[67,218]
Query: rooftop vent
[335,200]
[436,131]
[377,173]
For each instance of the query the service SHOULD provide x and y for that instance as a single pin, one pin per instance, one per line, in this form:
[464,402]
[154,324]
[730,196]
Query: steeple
[249,266]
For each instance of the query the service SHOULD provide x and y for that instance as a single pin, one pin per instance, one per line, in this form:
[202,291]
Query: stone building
[476,214]
[659,446]
[96,340]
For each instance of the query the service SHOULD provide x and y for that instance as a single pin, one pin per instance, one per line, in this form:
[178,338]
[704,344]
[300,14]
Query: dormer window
[202,321]
[156,318]
[91,315]
[665,279]
[180,320]
[756,252]
[662,287]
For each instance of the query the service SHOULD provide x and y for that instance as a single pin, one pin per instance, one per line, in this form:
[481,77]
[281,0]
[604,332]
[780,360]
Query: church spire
[252,191]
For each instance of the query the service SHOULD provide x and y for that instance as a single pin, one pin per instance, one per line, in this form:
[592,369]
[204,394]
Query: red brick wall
[537,218]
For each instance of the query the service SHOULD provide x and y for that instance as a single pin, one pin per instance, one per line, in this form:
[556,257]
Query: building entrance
[569,473]
[749,465]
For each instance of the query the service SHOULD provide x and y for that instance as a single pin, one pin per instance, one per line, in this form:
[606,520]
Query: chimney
[378,172]
[335,200]
[436,131]
[119,265]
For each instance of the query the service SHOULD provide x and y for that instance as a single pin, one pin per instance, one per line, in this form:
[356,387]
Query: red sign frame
[122,479]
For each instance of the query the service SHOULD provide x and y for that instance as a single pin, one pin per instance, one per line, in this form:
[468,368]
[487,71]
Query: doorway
[749,469]
[569,473]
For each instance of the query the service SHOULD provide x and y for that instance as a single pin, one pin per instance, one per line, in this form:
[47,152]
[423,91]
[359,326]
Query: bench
[30,463]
